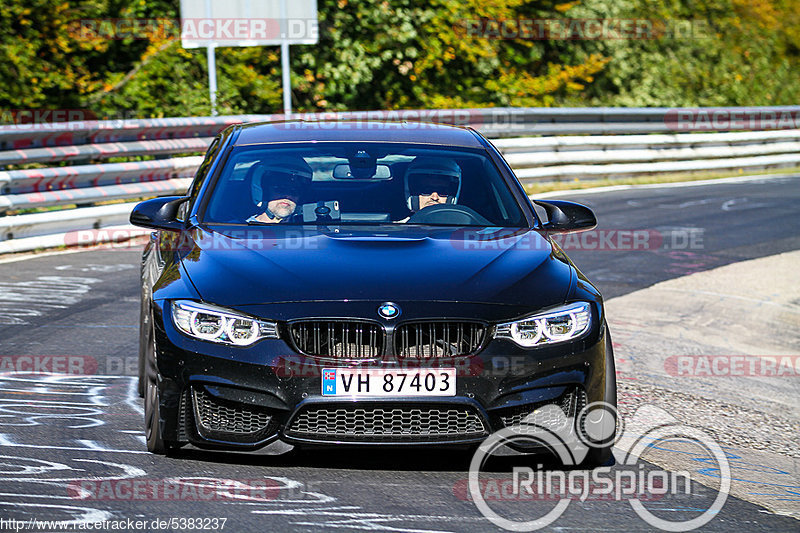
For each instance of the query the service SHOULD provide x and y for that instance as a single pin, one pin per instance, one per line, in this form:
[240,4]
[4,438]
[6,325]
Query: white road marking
[675,185]
[88,514]
[25,257]
[132,399]
[20,300]
[91,267]
[738,204]
[127,471]
[63,415]
[351,518]
[5,441]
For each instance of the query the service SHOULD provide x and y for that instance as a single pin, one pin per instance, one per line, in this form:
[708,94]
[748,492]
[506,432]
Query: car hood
[232,266]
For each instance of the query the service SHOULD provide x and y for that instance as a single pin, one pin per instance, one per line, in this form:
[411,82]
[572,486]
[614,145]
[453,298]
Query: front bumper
[217,396]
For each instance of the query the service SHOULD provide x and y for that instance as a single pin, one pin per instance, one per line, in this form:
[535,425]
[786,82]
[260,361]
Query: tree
[79,54]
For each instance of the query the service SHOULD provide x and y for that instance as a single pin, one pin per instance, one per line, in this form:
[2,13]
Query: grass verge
[547,186]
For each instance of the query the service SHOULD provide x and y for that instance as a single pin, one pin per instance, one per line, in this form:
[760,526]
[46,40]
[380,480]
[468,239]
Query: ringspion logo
[570,440]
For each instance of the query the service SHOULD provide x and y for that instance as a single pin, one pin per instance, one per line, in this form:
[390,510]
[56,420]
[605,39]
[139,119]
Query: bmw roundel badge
[389,311]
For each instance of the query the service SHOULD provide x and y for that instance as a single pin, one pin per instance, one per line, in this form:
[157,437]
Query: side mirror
[566,216]
[159,213]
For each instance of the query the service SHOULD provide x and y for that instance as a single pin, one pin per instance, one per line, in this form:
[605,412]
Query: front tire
[152,419]
[145,343]
[140,386]
[603,455]
[152,401]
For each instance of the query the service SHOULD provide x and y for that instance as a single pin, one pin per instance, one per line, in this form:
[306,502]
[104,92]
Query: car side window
[199,177]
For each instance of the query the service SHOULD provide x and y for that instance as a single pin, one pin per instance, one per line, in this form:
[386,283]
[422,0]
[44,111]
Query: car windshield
[346,183]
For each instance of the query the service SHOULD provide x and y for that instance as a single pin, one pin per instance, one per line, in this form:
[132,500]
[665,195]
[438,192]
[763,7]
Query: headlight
[217,324]
[559,325]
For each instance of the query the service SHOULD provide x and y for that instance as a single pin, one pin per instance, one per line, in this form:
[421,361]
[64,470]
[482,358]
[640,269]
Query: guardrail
[602,142]
[539,158]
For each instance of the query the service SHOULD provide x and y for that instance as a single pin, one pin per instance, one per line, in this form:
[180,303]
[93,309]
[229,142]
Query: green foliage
[415,54]
[401,54]
[735,53]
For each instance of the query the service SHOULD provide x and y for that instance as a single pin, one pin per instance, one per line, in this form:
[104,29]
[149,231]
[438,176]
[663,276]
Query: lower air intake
[553,414]
[229,421]
[376,423]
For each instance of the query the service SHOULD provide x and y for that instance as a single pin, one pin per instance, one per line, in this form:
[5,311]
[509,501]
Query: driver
[431,181]
[282,182]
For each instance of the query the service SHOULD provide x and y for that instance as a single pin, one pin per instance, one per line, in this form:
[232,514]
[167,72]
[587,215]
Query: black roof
[357,130]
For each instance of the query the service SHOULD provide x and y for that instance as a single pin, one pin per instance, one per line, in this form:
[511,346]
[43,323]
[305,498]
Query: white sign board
[220,23]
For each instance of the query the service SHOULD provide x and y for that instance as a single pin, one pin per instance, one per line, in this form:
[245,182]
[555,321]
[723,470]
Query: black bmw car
[361,283]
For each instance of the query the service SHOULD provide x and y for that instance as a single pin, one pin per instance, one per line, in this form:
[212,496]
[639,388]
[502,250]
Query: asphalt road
[72,446]
[691,228]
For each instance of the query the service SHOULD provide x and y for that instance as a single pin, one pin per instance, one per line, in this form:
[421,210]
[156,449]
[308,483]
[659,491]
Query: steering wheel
[450,214]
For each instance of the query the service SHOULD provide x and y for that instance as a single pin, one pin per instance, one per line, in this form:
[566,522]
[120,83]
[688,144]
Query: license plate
[383,383]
